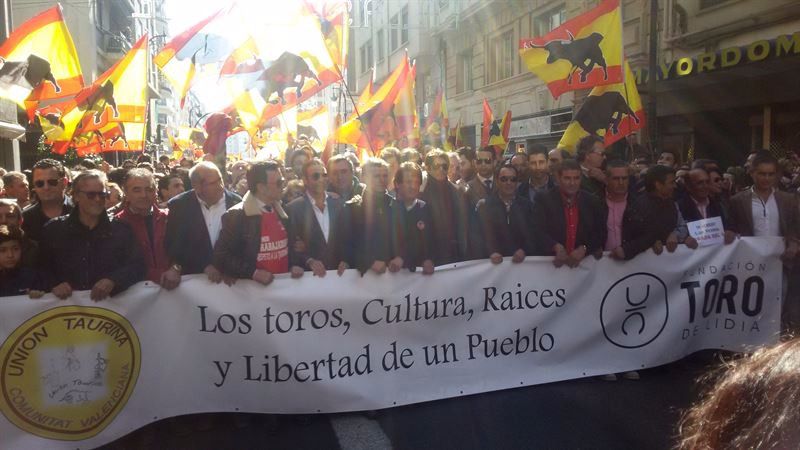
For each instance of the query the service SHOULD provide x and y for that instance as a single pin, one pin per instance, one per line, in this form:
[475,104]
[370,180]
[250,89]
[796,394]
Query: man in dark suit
[504,220]
[698,203]
[194,223]
[413,225]
[763,210]
[448,211]
[483,184]
[312,220]
[570,223]
[365,224]
[591,154]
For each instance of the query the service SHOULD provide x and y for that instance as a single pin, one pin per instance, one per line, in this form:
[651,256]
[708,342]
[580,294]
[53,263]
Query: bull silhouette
[28,74]
[308,131]
[105,94]
[283,74]
[603,112]
[583,53]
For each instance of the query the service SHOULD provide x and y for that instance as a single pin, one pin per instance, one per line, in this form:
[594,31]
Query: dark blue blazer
[303,226]
[187,238]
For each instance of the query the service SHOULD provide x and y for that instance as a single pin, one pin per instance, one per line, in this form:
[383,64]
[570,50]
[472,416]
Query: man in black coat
[49,183]
[312,220]
[365,224]
[413,228]
[570,223]
[86,249]
[698,203]
[652,219]
[194,223]
[448,210]
[254,241]
[504,220]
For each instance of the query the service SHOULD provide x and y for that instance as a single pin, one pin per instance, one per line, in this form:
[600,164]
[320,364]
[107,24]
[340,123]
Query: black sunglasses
[93,195]
[507,179]
[484,161]
[317,175]
[52,182]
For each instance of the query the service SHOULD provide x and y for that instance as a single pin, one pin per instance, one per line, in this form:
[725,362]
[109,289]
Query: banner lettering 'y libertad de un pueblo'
[77,374]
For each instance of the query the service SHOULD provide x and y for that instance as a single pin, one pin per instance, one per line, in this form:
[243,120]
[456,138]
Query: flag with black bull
[584,52]
[611,112]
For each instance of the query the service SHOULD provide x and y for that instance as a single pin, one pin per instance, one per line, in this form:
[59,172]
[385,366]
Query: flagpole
[355,109]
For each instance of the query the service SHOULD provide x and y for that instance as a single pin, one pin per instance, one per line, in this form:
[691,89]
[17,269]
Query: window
[501,57]
[464,72]
[395,33]
[381,43]
[404,25]
[549,21]
[365,54]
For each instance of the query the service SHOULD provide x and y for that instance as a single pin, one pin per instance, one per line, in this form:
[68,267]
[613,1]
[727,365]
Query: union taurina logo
[67,372]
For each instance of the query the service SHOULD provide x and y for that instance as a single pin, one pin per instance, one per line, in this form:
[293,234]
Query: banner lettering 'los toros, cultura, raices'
[77,374]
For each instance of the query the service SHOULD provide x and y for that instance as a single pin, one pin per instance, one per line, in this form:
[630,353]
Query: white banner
[77,374]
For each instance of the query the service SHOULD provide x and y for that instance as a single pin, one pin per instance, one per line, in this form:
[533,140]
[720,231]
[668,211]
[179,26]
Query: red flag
[488,118]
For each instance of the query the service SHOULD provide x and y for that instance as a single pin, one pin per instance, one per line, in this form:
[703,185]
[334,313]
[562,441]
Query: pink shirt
[614,223]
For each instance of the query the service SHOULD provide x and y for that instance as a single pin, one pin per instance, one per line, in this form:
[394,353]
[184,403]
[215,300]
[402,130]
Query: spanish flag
[584,52]
[332,17]
[488,119]
[437,126]
[375,127]
[498,133]
[315,125]
[405,111]
[39,62]
[109,115]
[201,44]
[612,112]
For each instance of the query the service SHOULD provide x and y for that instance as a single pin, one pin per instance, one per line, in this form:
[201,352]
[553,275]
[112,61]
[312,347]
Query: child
[15,279]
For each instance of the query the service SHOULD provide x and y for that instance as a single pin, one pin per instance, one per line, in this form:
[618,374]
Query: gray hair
[139,173]
[194,175]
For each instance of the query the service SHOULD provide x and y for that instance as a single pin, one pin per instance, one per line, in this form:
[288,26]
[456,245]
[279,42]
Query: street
[584,413]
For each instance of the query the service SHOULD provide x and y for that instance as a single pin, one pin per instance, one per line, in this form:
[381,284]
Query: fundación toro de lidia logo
[67,372]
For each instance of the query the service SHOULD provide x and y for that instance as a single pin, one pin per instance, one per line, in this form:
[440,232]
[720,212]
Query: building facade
[725,82]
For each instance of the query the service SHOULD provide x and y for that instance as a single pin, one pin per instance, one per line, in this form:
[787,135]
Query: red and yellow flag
[39,62]
[199,45]
[405,112]
[455,138]
[498,133]
[584,52]
[488,119]
[611,112]
[315,124]
[332,17]
[437,125]
[109,115]
[376,126]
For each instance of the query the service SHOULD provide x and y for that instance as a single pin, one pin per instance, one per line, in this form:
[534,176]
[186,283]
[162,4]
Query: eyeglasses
[317,175]
[508,179]
[52,182]
[483,161]
[94,195]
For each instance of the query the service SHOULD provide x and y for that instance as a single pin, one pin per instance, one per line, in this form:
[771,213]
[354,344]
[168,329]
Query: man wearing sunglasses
[591,154]
[448,211]
[504,220]
[312,219]
[254,241]
[85,249]
[49,183]
[483,184]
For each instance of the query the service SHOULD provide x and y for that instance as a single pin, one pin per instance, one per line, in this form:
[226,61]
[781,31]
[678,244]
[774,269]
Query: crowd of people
[99,228]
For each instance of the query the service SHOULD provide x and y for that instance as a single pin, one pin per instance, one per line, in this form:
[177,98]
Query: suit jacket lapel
[196,211]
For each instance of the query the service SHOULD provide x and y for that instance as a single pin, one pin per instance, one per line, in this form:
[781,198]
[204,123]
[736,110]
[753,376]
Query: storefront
[723,104]
[544,128]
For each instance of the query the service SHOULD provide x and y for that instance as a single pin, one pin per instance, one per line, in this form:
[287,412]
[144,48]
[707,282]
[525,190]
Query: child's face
[10,254]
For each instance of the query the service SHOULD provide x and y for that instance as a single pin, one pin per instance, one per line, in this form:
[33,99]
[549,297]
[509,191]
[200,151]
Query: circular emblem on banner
[635,310]
[67,372]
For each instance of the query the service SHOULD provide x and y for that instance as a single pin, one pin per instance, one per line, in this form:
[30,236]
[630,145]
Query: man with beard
[448,211]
